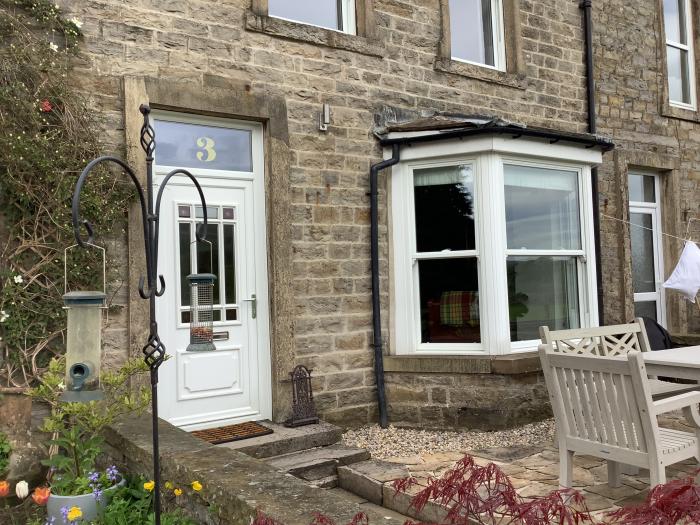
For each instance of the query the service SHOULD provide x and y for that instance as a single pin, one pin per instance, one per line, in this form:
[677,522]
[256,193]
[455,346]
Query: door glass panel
[229,264]
[444,206]
[208,257]
[449,301]
[641,188]
[542,291]
[198,146]
[471,31]
[231,314]
[323,13]
[643,267]
[645,309]
[184,241]
[212,212]
[542,208]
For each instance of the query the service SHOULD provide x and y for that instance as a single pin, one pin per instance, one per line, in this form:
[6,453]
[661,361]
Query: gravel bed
[401,442]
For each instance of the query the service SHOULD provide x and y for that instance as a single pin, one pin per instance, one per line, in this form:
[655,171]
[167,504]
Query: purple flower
[52,520]
[112,473]
[64,513]
[93,477]
[97,493]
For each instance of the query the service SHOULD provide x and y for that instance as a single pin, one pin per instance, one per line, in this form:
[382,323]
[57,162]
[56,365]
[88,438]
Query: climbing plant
[49,132]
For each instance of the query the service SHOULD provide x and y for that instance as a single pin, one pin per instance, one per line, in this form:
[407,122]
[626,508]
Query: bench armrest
[676,402]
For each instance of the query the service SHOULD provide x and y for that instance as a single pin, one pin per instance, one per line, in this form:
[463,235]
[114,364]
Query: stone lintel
[522,363]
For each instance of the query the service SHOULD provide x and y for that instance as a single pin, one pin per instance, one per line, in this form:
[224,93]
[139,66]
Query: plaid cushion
[459,308]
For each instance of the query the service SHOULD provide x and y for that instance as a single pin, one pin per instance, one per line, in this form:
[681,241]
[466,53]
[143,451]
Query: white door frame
[653,209]
[208,178]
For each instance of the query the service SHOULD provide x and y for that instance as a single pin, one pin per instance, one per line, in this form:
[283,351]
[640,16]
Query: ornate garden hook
[152,285]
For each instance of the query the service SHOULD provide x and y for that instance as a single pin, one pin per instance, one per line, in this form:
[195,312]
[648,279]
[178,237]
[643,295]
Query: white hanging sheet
[686,276]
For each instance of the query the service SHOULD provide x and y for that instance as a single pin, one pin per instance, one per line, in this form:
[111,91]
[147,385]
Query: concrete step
[366,478]
[285,440]
[318,463]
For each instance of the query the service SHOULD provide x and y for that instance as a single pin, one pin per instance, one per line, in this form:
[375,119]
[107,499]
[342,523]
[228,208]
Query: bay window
[488,245]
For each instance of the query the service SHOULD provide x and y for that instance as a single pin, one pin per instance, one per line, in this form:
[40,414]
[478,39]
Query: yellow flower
[168,485]
[149,485]
[177,492]
[74,513]
[196,486]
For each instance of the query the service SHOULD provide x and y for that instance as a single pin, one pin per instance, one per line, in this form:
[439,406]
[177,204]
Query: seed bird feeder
[83,342]
[201,312]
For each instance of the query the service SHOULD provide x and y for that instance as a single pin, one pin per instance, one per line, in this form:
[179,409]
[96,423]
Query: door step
[317,464]
[285,440]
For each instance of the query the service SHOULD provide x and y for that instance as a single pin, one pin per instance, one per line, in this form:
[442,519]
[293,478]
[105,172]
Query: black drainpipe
[587,6]
[376,302]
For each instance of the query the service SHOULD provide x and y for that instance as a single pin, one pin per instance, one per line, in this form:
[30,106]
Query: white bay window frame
[487,155]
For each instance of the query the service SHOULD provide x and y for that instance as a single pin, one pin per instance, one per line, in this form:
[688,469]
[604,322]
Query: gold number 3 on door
[209,153]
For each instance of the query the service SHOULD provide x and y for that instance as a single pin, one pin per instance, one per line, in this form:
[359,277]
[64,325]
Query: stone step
[366,478]
[329,482]
[318,463]
[285,440]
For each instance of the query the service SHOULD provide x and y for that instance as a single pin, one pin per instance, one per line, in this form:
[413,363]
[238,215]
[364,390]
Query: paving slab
[285,440]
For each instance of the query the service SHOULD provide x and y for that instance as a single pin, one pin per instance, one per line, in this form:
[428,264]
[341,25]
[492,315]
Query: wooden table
[683,363]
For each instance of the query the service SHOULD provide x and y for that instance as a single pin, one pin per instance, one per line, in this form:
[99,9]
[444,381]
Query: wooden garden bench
[603,408]
[613,340]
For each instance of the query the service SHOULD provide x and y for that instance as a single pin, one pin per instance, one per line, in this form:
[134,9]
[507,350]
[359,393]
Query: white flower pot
[89,505]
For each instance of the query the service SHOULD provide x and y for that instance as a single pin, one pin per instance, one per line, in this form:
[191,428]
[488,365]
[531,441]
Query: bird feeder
[201,312]
[83,345]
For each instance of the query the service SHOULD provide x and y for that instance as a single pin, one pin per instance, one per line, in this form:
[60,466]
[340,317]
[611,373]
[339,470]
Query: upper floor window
[679,53]
[330,14]
[476,32]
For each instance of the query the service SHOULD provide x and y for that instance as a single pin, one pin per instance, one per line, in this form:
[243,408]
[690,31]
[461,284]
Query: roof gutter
[587,7]
[513,131]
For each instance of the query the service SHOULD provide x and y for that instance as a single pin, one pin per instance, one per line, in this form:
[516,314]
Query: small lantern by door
[201,312]
[83,346]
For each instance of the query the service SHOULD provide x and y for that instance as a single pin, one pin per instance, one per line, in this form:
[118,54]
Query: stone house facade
[290,212]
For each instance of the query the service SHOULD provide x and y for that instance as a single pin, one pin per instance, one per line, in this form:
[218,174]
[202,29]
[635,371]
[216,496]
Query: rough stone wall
[473,401]
[194,39]
[633,110]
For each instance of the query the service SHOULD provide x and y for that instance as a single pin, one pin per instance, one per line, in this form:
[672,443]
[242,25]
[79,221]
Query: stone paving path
[534,471]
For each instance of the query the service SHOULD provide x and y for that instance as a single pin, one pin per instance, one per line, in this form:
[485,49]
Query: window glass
[678,75]
[209,147]
[472,32]
[641,188]
[323,13]
[229,264]
[646,309]
[674,21]
[542,291]
[642,237]
[449,301]
[542,208]
[444,208]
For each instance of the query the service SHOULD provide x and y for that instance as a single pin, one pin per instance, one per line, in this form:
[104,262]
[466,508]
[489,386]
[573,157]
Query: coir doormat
[219,435]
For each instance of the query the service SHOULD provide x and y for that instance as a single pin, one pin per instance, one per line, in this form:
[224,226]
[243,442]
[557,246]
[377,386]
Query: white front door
[231,384]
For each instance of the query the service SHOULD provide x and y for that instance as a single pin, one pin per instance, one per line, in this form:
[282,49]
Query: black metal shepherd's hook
[154,350]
